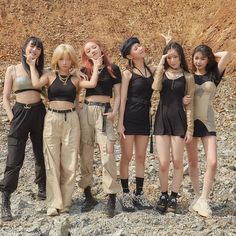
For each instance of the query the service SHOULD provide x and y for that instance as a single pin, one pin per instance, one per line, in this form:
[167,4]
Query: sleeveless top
[205,89]
[140,88]
[22,83]
[58,91]
[105,82]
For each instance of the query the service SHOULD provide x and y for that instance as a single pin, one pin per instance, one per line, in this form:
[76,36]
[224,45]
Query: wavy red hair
[88,64]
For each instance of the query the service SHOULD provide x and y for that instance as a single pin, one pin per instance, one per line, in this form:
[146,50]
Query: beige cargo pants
[91,122]
[61,139]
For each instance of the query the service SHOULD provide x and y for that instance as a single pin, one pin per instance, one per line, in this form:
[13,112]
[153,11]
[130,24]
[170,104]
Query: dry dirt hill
[75,21]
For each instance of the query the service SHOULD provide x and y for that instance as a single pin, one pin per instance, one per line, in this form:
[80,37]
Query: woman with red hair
[96,122]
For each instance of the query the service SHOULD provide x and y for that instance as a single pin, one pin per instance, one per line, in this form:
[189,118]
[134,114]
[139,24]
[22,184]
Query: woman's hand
[187,99]
[167,37]
[98,62]
[188,137]
[163,59]
[30,60]
[110,116]
[78,73]
[121,130]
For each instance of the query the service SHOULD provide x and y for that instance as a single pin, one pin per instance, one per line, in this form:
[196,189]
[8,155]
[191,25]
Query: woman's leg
[193,165]
[209,144]
[163,151]
[177,147]
[201,206]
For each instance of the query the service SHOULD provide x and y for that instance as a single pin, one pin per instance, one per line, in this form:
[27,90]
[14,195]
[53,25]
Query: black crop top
[58,91]
[105,82]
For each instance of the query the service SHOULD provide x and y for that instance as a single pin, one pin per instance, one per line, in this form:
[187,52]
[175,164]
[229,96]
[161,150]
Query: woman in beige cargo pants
[61,127]
[96,121]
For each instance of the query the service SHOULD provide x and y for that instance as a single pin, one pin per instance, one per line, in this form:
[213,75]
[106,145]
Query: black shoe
[89,202]
[6,207]
[172,204]
[111,206]
[162,203]
[41,191]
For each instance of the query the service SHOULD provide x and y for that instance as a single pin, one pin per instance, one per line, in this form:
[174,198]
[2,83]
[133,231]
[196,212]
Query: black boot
[111,206]
[6,207]
[89,202]
[41,191]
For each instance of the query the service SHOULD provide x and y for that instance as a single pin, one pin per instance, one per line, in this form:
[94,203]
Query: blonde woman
[61,127]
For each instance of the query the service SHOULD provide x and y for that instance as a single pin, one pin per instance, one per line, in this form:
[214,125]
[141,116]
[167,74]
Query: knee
[125,159]
[193,164]
[212,164]
[178,164]
[164,166]
[140,160]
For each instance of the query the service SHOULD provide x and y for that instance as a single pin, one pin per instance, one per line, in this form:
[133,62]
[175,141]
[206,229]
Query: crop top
[105,82]
[58,91]
[22,83]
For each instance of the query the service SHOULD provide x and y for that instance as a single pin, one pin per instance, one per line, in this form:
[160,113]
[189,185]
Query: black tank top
[58,91]
[140,87]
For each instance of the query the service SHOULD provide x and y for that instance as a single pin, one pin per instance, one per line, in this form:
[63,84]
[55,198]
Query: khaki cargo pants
[61,139]
[91,123]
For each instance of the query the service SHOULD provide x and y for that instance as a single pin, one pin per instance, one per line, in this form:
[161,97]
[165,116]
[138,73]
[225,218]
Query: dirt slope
[73,21]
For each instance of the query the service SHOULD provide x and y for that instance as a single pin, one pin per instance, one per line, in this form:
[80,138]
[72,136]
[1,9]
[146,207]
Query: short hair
[60,51]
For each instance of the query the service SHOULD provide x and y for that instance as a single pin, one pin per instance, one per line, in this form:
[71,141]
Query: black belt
[62,111]
[28,106]
[106,105]
[140,100]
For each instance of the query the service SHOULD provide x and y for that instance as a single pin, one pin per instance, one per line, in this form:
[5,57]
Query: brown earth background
[56,21]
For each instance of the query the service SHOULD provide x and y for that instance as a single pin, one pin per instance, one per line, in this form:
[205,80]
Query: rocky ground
[191,22]
[30,215]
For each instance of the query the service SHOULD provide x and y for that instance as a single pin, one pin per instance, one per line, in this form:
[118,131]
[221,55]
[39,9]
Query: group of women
[67,129]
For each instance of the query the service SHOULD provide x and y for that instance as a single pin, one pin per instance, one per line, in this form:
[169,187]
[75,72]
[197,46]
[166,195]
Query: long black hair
[40,63]
[178,48]
[212,65]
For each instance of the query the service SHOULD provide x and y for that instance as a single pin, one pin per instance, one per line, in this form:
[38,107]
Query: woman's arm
[8,83]
[36,82]
[92,83]
[223,59]
[126,76]
[189,107]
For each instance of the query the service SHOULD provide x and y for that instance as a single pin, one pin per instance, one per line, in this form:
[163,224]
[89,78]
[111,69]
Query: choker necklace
[145,71]
[63,78]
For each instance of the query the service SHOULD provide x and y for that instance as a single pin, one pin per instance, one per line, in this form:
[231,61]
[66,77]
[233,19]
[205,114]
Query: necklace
[63,78]
[145,71]
[100,69]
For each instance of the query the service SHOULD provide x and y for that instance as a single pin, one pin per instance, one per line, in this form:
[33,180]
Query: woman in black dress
[173,123]
[134,126]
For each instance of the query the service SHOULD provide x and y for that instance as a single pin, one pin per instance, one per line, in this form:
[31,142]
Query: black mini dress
[136,116]
[171,117]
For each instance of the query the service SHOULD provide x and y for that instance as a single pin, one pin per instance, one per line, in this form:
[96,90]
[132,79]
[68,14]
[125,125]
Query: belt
[106,105]
[62,111]
[140,100]
[100,104]
[28,106]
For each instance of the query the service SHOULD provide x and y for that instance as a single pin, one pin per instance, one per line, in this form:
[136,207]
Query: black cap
[126,46]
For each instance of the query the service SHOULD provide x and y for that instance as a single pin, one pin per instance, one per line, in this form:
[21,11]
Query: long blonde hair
[60,51]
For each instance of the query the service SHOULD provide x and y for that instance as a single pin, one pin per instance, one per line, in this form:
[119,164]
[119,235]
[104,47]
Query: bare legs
[209,145]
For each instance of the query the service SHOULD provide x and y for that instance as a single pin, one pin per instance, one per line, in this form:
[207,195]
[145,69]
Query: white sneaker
[190,208]
[202,207]
[51,211]
[127,202]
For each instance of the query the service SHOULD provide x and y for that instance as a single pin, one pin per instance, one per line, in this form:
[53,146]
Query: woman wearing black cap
[134,125]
